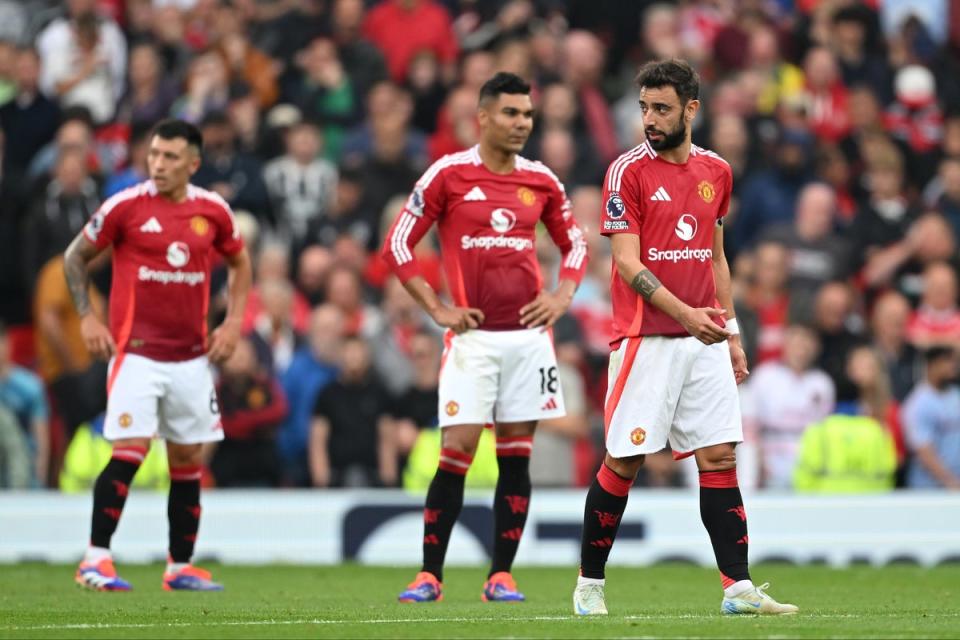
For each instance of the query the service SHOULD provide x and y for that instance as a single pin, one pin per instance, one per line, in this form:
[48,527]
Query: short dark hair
[171,129]
[504,82]
[675,73]
[936,353]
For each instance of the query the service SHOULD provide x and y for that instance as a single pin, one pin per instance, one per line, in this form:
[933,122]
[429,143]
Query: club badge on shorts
[452,408]
[125,420]
[638,436]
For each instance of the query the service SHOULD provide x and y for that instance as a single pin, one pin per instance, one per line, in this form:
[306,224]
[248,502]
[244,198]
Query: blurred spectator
[403,28]
[583,56]
[347,215]
[860,63]
[769,298]
[845,454]
[891,312]
[84,59]
[833,168]
[560,142]
[136,170]
[302,184]
[936,322]
[948,199]
[207,89]
[30,120]
[393,345]
[314,366]
[15,471]
[426,87]
[790,395]
[150,93]
[312,267]
[825,96]
[457,128]
[389,114]
[914,117]
[77,383]
[817,254]
[363,62]
[245,63]
[415,408]
[274,337]
[839,329]
[252,406]
[780,80]
[351,443]
[236,176]
[931,422]
[554,460]
[345,291]
[75,134]
[59,212]
[325,93]
[273,264]
[21,394]
[769,195]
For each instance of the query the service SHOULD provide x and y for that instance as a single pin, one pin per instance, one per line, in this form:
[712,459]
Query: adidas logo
[151,226]
[661,195]
[551,405]
[475,194]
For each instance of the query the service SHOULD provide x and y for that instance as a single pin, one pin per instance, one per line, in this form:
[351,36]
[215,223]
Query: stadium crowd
[840,120]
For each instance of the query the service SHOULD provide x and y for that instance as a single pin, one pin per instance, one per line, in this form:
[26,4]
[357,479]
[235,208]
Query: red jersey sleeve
[621,201]
[421,210]
[724,207]
[558,218]
[227,240]
[104,227]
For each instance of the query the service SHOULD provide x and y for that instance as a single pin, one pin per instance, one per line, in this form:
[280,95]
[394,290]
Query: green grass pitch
[41,601]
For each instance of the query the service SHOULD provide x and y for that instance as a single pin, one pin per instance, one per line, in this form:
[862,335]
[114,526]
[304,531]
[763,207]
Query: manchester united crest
[125,420]
[199,225]
[452,408]
[706,191]
[638,436]
[527,197]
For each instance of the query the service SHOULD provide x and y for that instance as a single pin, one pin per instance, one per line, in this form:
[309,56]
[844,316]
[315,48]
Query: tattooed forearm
[75,260]
[645,283]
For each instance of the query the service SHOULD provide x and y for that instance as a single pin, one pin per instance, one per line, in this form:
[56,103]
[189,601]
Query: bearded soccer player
[498,363]
[159,380]
[677,358]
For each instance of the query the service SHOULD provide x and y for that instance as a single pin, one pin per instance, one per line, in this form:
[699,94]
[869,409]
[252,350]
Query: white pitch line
[318,621]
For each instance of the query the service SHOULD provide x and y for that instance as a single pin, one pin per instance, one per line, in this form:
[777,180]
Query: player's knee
[719,458]
[184,455]
[140,443]
[625,467]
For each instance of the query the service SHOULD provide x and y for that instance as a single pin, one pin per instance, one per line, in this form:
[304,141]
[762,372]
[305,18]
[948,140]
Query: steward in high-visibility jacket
[88,453]
[845,454]
[425,458]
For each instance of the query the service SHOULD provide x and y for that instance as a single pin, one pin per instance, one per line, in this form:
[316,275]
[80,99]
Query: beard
[670,140]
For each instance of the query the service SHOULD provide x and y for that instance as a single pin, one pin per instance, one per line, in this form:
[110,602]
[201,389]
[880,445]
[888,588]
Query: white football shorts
[175,400]
[499,376]
[664,389]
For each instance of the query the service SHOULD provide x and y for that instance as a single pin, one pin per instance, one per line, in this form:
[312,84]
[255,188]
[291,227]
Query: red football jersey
[674,209]
[487,224]
[161,267]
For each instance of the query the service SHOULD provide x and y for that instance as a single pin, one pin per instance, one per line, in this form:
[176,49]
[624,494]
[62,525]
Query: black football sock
[110,493]
[183,511]
[511,499]
[606,501]
[722,512]
[442,507]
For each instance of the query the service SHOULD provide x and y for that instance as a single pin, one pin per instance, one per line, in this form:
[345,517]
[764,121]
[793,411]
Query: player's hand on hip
[223,341]
[545,310]
[738,358]
[699,323]
[97,337]
[458,319]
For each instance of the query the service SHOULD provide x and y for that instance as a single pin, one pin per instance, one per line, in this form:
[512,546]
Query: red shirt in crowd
[402,33]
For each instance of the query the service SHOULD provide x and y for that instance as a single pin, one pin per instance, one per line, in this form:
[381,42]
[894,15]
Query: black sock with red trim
[110,493]
[723,515]
[606,502]
[183,511]
[511,499]
[442,508]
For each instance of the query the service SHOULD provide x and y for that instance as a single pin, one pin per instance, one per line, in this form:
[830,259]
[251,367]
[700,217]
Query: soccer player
[670,375]
[498,364]
[162,232]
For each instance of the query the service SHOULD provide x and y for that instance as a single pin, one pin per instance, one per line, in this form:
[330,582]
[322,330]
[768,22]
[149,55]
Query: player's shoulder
[208,198]
[709,158]
[630,161]
[450,163]
[129,197]
[538,171]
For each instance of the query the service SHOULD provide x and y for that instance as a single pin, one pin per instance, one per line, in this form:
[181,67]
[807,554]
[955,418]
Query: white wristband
[732,327]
